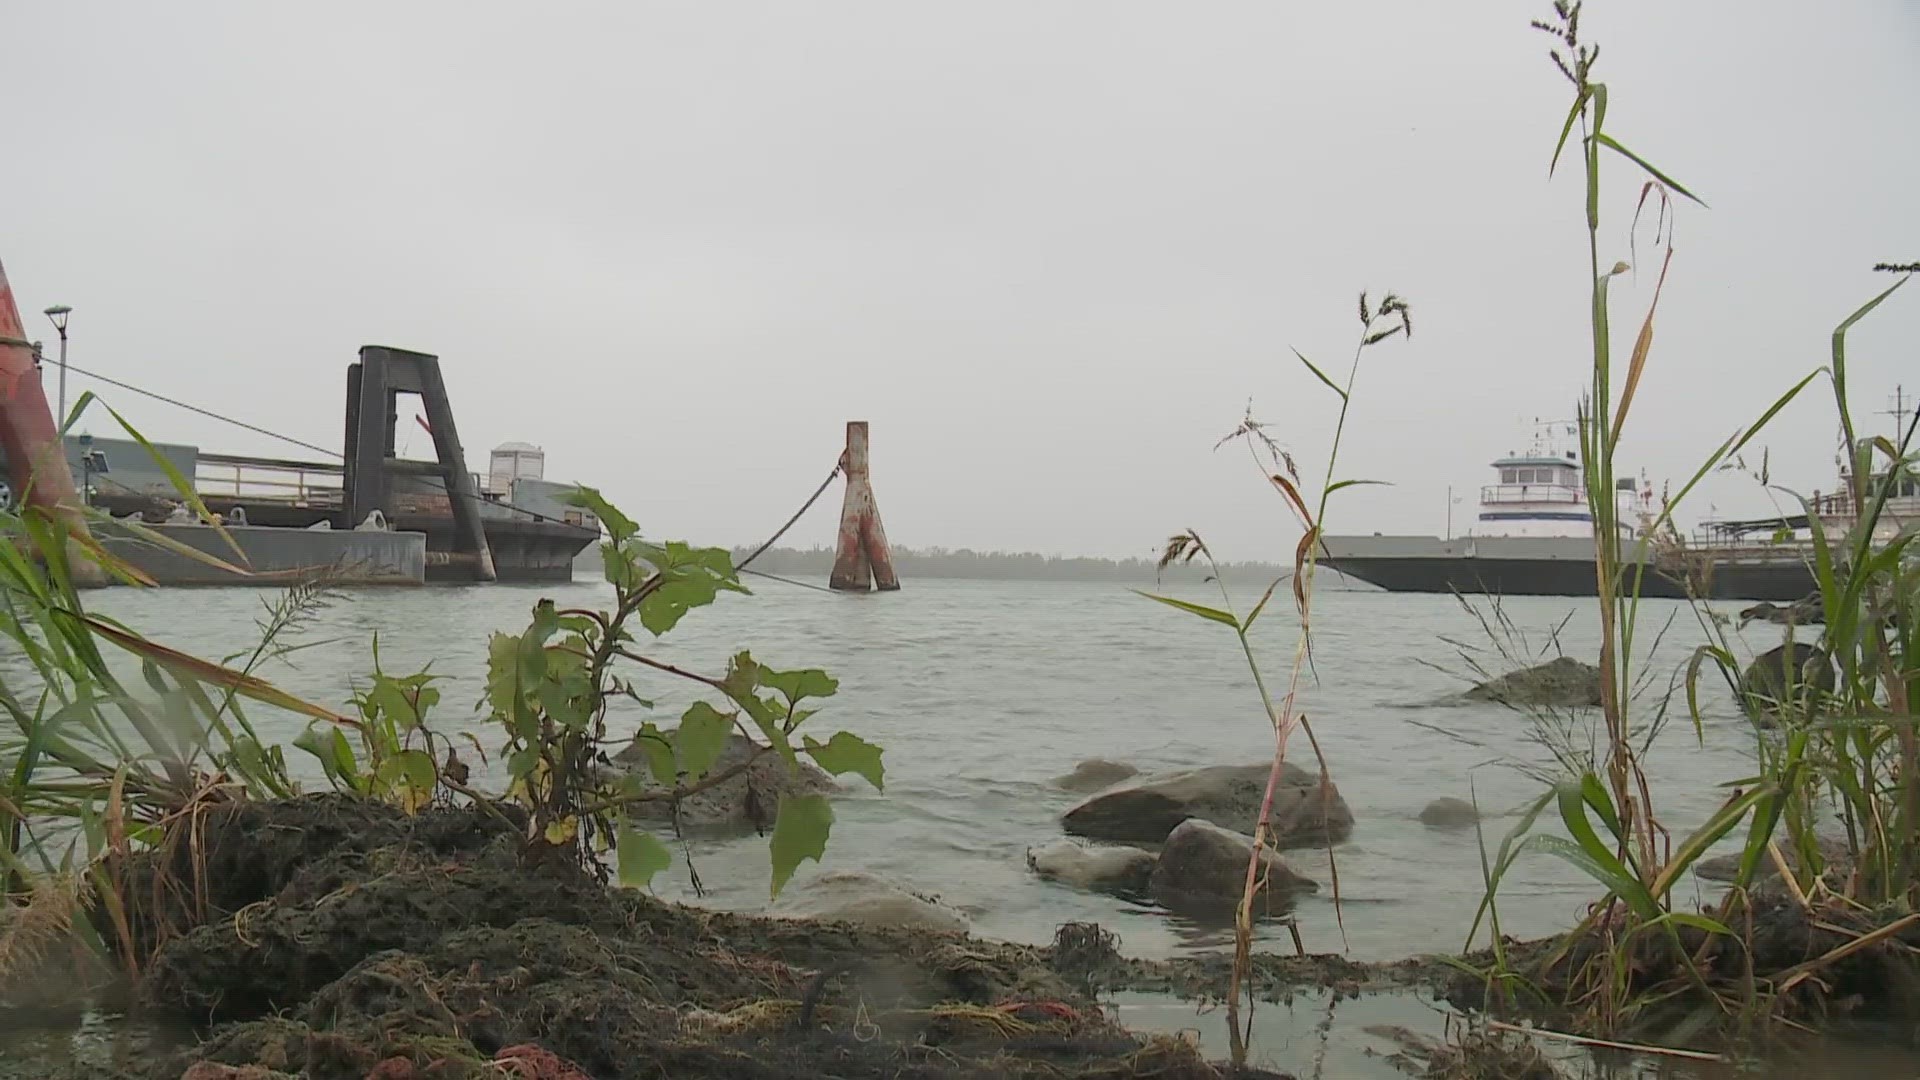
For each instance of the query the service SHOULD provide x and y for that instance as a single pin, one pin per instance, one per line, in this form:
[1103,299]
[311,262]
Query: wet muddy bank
[331,938]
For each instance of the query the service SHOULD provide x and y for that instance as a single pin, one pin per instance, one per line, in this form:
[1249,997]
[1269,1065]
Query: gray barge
[373,518]
[1533,536]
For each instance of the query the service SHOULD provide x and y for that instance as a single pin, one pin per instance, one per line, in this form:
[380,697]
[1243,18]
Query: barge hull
[1514,566]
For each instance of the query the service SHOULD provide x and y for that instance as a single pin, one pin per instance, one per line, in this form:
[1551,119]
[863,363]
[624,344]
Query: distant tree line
[965,563]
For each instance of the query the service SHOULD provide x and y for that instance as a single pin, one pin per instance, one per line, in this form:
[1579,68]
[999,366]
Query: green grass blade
[1573,114]
[1261,606]
[1321,375]
[1610,143]
[1732,446]
[1696,844]
[1201,610]
[1338,484]
[181,485]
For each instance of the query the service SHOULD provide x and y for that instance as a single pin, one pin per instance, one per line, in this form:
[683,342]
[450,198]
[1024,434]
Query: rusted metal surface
[372,468]
[452,558]
[862,560]
[35,458]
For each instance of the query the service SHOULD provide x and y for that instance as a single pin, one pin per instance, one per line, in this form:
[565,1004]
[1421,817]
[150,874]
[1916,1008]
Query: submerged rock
[1449,813]
[858,897]
[1561,682]
[1305,811]
[1095,773]
[1097,869]
[1203,872]
[746,801]
[1833,853]
[1793,674]
[1808,610]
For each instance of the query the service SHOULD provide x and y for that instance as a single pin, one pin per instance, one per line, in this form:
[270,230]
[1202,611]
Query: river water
[982,692]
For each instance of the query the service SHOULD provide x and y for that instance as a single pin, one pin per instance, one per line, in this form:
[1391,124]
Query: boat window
[1507,476]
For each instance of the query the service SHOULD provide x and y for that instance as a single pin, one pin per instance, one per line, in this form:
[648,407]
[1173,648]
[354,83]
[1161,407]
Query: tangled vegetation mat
[340,940]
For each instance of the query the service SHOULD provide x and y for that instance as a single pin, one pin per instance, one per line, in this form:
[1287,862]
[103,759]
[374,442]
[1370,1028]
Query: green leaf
[1321,375]
[86,398]
[638,856]
[182,487]
[799,685]
[618,525]
[799,832]
[701,739]
[1595,795]
[659,750]
[343,758]
[1338,484]
[743,675]
[1195,609]
[1567,128]
[1262,605]
[388,700]
[683,591]
[521,763]
[1606,873]
[315,742]
[848,753]
[418,768]
[1696,844]
[1594,856]
[1610,143]
[410,774]
[622,571]
[329,746]
[503,674]
[1732,446]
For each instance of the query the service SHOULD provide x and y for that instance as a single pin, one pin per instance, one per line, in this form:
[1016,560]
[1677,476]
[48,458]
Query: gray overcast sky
[1048,250]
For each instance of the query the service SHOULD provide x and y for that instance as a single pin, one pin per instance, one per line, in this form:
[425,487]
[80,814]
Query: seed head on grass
[1181,548]
[1574,60]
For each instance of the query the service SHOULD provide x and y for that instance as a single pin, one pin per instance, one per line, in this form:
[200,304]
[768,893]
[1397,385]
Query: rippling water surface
[981,692]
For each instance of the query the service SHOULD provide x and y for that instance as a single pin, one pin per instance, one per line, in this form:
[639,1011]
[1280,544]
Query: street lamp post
[58,314]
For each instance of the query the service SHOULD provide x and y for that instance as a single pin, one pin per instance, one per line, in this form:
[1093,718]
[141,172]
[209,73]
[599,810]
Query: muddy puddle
[35,1044]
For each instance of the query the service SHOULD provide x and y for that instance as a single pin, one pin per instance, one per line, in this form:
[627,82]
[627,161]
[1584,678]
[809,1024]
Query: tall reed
[1391,318]
[1614,831]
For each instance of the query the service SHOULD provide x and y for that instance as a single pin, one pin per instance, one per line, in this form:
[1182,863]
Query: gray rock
[1097,869]
[1202,872]
[1305,812]
[1093,774]
[746,801]
[1794,674]
[1807,610]
[1561,682]
[1449,813]
[858,897]
[1833,853]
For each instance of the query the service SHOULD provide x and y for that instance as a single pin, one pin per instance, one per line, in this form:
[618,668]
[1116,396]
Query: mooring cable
[808,505]
[195,408]
[789,581]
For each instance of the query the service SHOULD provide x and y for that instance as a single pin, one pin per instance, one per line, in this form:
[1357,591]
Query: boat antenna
[1899,408]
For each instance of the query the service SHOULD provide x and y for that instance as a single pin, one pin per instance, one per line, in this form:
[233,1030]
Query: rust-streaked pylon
[862,561]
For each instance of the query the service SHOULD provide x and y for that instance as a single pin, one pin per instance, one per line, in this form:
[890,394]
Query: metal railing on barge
[315,484]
